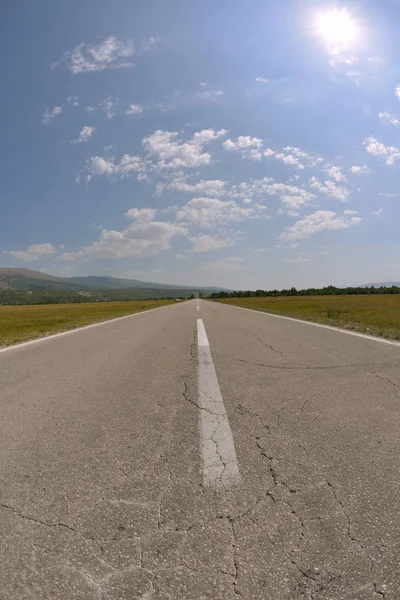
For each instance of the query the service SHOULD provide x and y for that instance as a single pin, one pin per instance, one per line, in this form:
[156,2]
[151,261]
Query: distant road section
[200,451]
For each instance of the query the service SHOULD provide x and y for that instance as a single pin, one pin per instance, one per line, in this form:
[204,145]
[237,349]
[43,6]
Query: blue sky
[242,144]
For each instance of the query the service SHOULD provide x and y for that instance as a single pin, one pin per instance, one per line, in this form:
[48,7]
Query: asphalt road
[137,462]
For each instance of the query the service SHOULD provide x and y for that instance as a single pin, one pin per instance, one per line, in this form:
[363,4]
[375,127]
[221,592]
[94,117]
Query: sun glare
[337,28]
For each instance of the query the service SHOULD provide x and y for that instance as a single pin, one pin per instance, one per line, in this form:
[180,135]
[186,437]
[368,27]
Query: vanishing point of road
[200,452]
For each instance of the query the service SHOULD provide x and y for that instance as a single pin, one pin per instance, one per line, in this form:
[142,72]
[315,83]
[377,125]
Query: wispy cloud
[261,80]
[74,100]
[388,118]
[319,221]
[377,212]
[84,135]
[110,53]
[209,212]
[109,105]
[360,170]
[211,95]
[329,188]
[150,44]
[208,243]
[224,265]
[134,109]
[33,252]
[211,187]
[51,113]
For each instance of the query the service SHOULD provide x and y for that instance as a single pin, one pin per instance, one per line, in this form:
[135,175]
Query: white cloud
[264,187]
[360,170]
[211,187]
[51,113]
[151,43]
[171,153]
[350,212]
[388,118]
[89,109]
[261,80]
[74,100]
[288,159]
[144,237]
[335,172]
[208,212]
[355,75]
[387,195]
[85,133]
[97,166]
[223,265]
[33,252]
[321,220]
[390,153]
[211,95]
[377,212]
[291,155]
[111,53]
[109,105]
[134,109]
[397,90]
[206,243]
[248,146]
[141,215]
[330,189]
[300,258]
[69,256]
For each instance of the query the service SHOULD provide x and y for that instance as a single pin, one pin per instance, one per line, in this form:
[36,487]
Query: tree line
[330,290]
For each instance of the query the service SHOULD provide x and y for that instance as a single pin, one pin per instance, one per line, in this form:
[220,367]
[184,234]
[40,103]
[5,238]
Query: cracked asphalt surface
[101,494]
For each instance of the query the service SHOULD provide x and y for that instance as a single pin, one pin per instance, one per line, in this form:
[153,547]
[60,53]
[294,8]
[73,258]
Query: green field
[373,314]
[21,323]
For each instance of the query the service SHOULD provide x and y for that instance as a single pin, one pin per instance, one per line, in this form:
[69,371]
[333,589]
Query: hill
[26,280]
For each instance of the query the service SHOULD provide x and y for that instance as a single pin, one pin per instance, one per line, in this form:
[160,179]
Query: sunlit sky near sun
[239,144]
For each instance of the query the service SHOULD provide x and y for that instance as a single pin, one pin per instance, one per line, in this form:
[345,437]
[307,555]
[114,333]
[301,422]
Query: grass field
[21,323]
[373,314]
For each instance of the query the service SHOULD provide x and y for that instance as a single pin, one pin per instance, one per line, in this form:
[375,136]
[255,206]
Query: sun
[337,28]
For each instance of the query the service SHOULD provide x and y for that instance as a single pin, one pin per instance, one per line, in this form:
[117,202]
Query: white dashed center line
[220,465]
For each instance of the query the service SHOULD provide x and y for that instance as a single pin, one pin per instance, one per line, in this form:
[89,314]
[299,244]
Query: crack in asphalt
[396,385]
[265,343]
[296,367]
[277,480]
[43,523]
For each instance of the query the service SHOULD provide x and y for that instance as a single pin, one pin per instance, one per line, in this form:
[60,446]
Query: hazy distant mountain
[25,279]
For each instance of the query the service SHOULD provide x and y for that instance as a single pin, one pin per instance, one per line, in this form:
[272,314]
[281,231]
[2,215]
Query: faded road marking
[220,466]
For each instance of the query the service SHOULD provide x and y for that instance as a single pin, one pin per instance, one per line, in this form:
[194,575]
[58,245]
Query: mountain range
[27,280]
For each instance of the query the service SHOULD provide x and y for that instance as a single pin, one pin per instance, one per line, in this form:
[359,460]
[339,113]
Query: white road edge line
[220,465]
[56,335]
[331,327]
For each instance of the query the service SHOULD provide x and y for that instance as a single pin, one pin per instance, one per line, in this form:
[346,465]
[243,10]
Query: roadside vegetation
[22,323]
[23,297]
[374,314]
